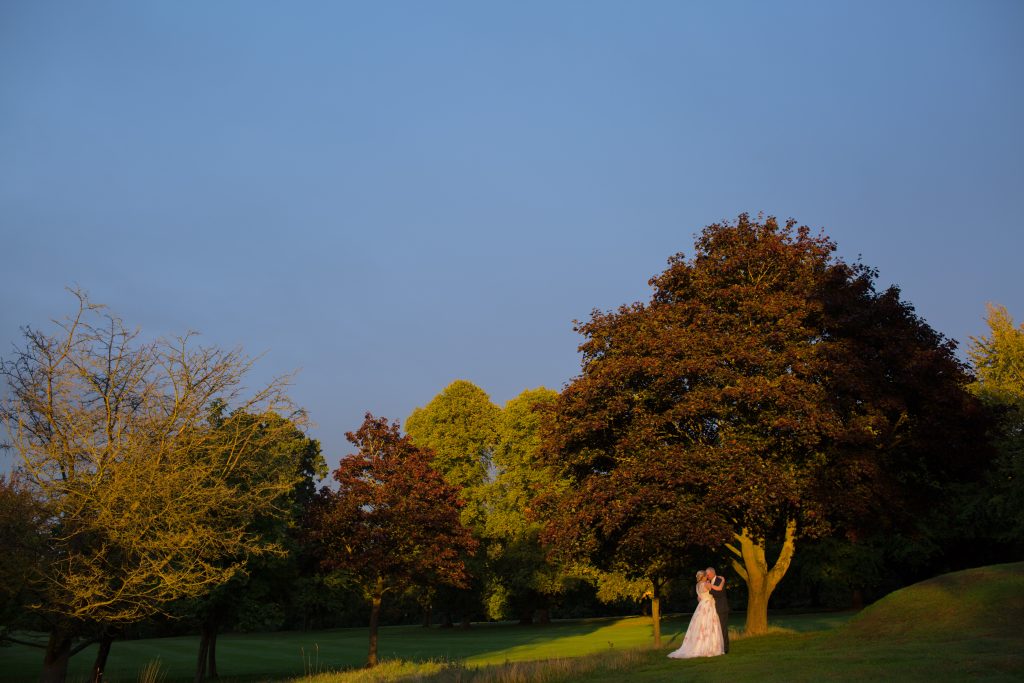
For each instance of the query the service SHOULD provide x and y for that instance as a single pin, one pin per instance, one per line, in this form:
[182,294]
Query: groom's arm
[718,584]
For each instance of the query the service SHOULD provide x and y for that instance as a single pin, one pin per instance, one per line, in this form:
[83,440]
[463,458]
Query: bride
[704,634]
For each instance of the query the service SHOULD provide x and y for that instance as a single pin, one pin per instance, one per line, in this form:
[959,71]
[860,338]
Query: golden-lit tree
[147,483]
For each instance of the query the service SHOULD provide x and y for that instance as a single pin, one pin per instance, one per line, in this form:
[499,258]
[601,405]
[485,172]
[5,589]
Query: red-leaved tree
[393,520]
[767,392]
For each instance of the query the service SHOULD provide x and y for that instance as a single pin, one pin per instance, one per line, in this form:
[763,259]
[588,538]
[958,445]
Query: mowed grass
[963,626]
[292,654]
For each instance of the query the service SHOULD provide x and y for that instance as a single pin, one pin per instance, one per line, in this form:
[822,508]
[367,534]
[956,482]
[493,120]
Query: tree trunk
[465,620]
[426,616]
[211,658]
[752,567]
[204,648]
[526,617]
[446,620]
[656,610]
[106,641]
[375,600]
[544,615]
[55,661]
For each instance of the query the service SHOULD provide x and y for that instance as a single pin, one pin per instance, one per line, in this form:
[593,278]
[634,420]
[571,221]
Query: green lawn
[283,655]
[957,627]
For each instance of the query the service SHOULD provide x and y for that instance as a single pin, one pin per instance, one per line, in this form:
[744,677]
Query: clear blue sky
[393,195]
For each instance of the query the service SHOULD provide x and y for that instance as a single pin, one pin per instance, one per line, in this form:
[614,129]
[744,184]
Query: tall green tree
[393,520]
[764,392]
[523,580]
[998,360]
[142,499]
[459,426]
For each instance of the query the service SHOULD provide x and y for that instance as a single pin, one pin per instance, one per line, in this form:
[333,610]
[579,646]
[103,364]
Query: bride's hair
[700,575]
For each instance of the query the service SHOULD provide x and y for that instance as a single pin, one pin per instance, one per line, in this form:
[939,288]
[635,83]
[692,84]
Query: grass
[265,656]
[962,626]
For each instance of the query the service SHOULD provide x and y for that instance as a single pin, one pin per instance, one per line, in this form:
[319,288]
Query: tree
[766,391]
[998,360]
[292,456]
[393,520]
[142,497]
[459,426]
[22,526]
[523,579]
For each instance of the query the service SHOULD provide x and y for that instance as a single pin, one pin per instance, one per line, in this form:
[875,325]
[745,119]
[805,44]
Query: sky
[389,196]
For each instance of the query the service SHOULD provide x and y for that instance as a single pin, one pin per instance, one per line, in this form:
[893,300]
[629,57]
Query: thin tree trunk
[544,615]
[465,620]
[752,566]
[55,661]
[211,655]
[375,600]
[100,665]
[446,620]
[656,610]
[426,616]
[204,647]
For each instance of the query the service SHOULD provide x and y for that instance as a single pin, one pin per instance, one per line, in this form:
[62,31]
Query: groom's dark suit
[722,607]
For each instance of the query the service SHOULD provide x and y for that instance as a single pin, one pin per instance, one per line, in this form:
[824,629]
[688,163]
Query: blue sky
[389,196]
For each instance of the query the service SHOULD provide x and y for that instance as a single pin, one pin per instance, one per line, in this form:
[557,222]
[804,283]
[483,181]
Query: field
[962,626]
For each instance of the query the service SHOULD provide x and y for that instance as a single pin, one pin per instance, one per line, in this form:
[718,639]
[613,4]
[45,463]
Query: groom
[721,603]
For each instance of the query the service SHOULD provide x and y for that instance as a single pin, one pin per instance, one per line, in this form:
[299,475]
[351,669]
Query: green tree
[522,578]
[393,520]
[295,457]
[764,393]
[998,360]
[142,497]
[22,528]
[459,426]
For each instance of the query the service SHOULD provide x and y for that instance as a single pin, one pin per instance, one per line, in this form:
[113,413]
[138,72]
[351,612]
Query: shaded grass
[962,626]
[248,657]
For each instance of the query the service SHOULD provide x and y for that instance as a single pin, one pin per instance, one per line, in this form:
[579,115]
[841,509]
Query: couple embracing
[708,632]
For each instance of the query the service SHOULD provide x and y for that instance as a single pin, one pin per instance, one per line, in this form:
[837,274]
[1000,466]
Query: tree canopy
[142,496]
[393,520]
[761,390]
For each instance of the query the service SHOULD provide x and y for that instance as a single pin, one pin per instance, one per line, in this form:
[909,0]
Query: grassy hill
[982,603]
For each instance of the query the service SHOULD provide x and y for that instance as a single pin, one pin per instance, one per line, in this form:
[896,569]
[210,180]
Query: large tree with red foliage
[766,391]
[392,521]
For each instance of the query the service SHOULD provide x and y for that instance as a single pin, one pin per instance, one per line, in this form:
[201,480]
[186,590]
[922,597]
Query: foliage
[523,578]
[459,426]
[22,523]
[998,360]
[144,496]
[765,391]
[253,598]
[393,520]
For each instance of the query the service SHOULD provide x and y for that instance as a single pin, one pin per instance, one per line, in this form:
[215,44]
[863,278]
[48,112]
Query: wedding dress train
[704,634]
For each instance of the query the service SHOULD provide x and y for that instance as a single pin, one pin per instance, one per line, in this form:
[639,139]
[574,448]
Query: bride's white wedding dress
[704,634]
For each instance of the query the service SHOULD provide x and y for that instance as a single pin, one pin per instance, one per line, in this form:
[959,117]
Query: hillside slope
[987,602]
